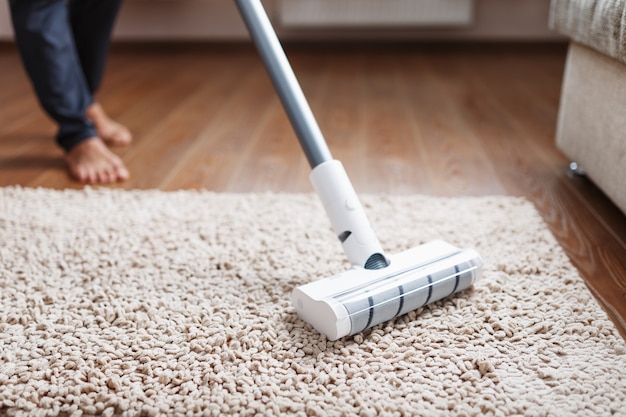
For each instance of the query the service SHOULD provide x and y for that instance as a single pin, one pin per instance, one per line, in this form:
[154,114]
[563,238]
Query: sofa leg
[575,169]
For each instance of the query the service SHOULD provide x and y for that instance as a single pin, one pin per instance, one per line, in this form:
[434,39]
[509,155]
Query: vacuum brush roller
[352,301]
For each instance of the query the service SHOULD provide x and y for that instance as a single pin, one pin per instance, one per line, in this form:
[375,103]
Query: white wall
[219,20]
[181,20]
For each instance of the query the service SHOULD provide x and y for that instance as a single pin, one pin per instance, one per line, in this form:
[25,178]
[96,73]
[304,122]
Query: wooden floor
[442,120]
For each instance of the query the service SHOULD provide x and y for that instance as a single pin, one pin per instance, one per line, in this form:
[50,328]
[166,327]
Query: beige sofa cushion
[600,24]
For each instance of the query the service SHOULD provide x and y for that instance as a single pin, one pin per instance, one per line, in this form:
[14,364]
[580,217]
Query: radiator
[379,13]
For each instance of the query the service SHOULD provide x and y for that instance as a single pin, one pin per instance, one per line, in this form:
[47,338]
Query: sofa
[591,128]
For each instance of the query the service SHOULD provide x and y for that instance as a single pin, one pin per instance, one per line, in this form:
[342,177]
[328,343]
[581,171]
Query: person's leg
[46,44]
[47,49]
[92,24]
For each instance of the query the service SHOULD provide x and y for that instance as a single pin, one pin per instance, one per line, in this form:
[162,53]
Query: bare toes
[92,162]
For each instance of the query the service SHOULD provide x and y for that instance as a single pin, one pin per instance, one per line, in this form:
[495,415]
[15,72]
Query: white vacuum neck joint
[347,216]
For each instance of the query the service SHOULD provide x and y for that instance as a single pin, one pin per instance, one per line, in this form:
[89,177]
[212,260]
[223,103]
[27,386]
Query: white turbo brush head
[352,301]
[377,288]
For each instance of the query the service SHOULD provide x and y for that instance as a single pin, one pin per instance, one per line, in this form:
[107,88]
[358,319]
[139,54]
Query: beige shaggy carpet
[148,303]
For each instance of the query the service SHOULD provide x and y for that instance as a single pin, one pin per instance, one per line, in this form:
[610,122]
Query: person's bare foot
[111,132]
[92,162]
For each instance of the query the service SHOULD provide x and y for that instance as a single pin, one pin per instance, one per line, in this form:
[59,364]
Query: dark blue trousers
[64,45]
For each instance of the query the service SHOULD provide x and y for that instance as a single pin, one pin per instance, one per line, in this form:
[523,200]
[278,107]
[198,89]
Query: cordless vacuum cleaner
[378,287]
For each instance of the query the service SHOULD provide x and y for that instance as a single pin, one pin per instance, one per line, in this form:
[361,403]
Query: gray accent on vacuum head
[376,261]
[343,236]
[371,306]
